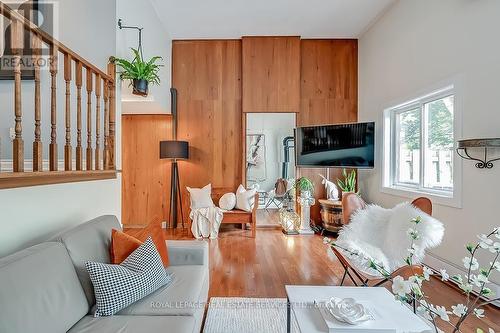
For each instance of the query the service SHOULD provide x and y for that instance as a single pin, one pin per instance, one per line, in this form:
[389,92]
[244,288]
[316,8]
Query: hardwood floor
[261,267]
[268,218]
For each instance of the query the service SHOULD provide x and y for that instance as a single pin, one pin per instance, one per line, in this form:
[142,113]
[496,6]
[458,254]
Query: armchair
[352,203]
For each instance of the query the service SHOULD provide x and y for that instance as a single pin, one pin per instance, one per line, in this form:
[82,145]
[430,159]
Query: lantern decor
[290,222]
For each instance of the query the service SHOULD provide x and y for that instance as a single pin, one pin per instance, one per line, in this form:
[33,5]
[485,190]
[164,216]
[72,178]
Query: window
[419,145]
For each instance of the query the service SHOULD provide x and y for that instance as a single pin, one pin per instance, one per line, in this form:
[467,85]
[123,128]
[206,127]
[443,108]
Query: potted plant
[305,186]
[348,184]
[141,73]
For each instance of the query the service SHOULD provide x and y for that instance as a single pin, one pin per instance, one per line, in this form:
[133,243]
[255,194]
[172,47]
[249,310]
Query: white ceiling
[190,19]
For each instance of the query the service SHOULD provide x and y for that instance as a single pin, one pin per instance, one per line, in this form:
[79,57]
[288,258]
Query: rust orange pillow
[122,245]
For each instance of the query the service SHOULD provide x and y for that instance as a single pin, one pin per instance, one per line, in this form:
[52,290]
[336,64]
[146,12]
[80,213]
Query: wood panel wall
[328,94]
[207,75]
[145,178]
[271,74]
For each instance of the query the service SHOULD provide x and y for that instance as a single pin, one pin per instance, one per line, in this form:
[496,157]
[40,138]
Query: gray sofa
[46,289]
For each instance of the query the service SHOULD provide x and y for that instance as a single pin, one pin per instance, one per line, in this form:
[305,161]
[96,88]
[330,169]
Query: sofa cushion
[134,324]
[39,291]
[245,199]
[187,293]
[89,242]
[122,245]
[201,197]
[118,286]
[227,201]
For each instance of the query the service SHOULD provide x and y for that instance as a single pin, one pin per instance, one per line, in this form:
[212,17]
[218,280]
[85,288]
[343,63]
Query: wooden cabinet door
[271,74]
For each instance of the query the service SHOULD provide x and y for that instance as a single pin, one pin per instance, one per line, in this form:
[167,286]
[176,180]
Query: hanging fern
[138,69]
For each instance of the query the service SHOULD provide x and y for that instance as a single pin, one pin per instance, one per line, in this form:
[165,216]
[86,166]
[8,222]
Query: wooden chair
[237,216]
[351,202]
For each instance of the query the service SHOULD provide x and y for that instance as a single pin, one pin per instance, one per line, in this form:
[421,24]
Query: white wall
[415,45]
[31,215]
[275,127]
[156,42]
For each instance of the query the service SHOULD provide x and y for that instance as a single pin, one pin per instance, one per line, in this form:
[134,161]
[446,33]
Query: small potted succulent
[348,184]
[140,73]
[305,186]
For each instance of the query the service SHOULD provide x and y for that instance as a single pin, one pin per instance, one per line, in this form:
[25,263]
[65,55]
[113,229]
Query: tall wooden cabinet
[271,74]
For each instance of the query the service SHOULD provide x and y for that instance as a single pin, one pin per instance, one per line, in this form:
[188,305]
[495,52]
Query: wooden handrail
[11,14]
[100,161]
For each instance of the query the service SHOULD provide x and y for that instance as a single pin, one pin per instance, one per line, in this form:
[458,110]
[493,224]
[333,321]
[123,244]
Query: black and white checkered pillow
[118,286]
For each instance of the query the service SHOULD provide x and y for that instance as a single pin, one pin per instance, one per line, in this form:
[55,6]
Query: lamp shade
[174,149]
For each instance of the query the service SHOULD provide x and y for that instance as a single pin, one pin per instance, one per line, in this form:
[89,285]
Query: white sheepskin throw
[381,234]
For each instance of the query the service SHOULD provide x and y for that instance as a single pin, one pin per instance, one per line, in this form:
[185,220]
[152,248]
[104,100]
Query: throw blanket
[206,222]
[381,234]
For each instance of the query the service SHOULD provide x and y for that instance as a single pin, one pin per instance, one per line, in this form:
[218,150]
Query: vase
[140,87]
[305,194]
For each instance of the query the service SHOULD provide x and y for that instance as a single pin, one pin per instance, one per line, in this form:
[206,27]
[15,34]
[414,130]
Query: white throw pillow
[201,197]
[227,201]
[245,199]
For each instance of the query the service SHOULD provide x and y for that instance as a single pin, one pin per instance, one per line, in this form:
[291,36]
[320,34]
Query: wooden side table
[331,215]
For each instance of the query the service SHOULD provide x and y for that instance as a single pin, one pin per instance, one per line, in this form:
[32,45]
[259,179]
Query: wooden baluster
[37,144]
[112,115]
[98,122]
[68,162]
[89,87]
[106,125]
[17,47]
[79,150]
[53,159]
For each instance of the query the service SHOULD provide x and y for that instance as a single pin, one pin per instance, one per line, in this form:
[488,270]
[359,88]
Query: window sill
[26,179]
[455,201]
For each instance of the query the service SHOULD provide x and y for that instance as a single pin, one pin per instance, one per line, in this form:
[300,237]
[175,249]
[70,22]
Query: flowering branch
[411,290]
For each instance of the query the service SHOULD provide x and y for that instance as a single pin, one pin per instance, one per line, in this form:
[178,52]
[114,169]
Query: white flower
[490,330]
[444,275]
[479,313]
[400,287]
[423,311]
[471,264]
[412,233]
[479,280]
[466,287]
[427,273]
[496,231]
[484,241]
[459,310]
[495,248]
[495,265]
[415,280]
[442,313]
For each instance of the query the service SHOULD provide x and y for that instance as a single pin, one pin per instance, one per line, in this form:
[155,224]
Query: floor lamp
[174,150]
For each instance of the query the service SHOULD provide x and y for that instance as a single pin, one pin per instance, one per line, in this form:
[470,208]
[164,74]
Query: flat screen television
[342,145]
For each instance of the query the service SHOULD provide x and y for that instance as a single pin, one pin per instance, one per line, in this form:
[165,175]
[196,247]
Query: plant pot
[305,194]
[140,87]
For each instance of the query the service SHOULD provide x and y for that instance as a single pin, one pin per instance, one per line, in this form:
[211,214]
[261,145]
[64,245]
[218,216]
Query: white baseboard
[437,263]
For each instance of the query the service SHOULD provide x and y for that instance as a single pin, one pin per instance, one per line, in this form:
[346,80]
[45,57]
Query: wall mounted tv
[342,145]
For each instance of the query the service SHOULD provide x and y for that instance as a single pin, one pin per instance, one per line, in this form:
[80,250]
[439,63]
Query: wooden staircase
[94,161]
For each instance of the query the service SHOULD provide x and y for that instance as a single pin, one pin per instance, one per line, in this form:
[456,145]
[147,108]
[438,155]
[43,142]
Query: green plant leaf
[138,69]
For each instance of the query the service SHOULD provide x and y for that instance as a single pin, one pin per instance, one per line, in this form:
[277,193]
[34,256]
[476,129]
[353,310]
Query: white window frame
[448,198]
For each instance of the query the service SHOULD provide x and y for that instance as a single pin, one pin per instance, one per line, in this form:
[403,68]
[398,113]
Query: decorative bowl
[347,310]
